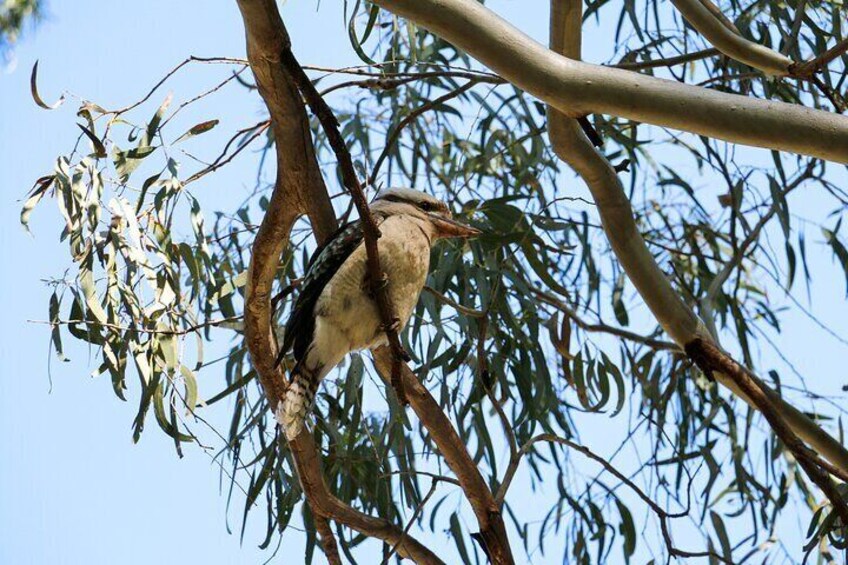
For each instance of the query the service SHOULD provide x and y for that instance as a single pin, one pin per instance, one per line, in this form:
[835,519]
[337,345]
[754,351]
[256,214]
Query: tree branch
[298,188]
[551,300]
[655,508]
[378,280]
[679,321]
[453,449]
[328,540]
[709,22]
[811,67]
[711,359]
[668,62]
[393,137]
[707,303]
[577,88]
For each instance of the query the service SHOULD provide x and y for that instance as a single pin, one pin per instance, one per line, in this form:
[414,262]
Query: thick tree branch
[708,21]
[577,88]
[453,449]
[681,323]
[378,280]
[328,540]
[712,359]
[298,188]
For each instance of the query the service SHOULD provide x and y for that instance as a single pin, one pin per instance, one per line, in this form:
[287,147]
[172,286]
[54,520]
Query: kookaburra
[335,312]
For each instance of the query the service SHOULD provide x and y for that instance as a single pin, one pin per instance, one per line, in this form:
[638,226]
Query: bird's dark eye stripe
[426,206]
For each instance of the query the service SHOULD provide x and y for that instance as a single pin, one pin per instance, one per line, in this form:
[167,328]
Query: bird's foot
[394,326]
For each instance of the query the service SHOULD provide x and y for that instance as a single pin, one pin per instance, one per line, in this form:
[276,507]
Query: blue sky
[73,487]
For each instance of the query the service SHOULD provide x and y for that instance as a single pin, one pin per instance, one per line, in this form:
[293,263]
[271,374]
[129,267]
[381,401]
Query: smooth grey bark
[676,317]
[575,88]
[728,41]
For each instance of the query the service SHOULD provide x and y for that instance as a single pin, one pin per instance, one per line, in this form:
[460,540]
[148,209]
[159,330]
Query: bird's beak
[448,227]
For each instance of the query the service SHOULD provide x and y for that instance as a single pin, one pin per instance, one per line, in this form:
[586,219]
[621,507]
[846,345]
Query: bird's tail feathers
[292,411]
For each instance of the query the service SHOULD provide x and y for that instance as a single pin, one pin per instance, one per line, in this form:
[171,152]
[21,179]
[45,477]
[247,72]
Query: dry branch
[371,233]
[298,189]
[453,449]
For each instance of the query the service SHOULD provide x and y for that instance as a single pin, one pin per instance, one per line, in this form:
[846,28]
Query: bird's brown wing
[324,263]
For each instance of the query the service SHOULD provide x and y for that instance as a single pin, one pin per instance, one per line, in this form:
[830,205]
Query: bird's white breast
[347,318]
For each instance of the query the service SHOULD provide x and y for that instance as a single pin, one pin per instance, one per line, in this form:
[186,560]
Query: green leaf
[155,121]
[627,529]
[161,418]
[33,88]
[190,380]
[198,129]
[617,301]
[99,148]
[35,196]
[718,525]
[128,161]
[86,282]
[351,32]
[56,334]
[456,533]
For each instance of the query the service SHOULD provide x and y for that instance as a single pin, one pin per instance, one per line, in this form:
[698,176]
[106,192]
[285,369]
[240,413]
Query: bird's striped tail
[292,411]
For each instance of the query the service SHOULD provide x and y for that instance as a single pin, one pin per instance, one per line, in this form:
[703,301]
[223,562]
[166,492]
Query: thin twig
[393,137]
[670,61]
[601,327]
[414,517]
[220,161]
[378,279]
[118,327]
[453,304]
[655,508]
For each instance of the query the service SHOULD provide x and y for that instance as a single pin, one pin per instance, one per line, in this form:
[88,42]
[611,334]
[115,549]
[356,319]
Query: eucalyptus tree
[684,238]
[14,17]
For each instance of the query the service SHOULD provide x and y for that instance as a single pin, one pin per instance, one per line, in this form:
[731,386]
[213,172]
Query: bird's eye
[426,206]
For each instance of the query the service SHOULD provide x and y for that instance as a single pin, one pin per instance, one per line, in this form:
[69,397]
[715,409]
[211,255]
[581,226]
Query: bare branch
[453,449]
[551,300]
[655,508]
[670,61]
[379,281]
[328,540]
[414,517]
[298,188]
[190,329]
[223,158]
[411,117]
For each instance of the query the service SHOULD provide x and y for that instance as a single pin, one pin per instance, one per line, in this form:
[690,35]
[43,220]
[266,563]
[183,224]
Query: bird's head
[421,205]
